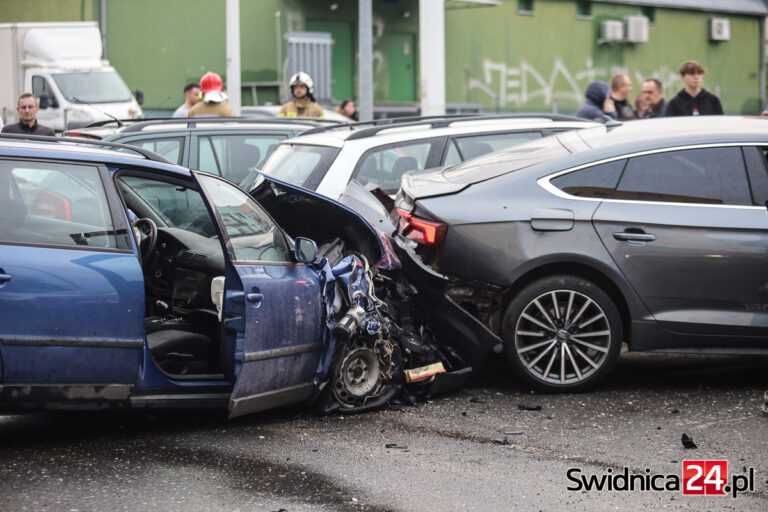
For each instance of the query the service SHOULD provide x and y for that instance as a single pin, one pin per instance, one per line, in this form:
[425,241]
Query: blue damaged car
[126,281]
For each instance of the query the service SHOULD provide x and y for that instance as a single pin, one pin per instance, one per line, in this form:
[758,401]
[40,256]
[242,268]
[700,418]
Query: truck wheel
[562,334]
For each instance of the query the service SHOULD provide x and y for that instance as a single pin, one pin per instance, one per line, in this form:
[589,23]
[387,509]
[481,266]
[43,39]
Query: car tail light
[51,204]
[421,231]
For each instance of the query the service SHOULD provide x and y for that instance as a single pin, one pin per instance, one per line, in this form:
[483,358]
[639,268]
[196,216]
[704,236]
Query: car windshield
[93,87]
[302,165]
[505,161]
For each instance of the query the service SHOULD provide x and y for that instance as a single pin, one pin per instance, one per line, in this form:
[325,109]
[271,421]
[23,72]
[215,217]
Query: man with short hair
[27,108]
[191,98]
[693,100]
[621,87]
[653,92]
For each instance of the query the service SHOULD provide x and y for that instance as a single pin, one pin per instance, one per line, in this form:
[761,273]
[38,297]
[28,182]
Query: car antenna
[611,123]
[119,122]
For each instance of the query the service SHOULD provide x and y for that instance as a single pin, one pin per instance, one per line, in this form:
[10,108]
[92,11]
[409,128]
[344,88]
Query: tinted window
[176,206]
[300,164]
[708,176]
[477,145]
[170,148]
[234,156]
[758,175]
[50,203]
[597,181]
[252,234]
[383,167]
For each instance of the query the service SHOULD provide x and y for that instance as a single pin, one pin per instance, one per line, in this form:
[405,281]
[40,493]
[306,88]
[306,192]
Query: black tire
[562,334]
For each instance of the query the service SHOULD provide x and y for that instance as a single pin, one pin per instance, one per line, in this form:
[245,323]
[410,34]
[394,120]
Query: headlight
[79,116]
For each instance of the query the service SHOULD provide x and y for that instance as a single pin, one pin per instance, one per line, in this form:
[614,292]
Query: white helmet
[302,78]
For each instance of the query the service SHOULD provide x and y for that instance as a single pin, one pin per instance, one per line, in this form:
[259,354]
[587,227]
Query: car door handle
[4,278]
[634,237]
[256,298]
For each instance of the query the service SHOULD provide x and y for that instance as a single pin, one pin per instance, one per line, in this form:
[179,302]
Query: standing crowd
[613,100]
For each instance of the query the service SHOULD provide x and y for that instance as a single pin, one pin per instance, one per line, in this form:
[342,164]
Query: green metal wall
[545,60]
[14,11]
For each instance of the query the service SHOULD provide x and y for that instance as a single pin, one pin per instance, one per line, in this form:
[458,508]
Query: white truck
[61,64]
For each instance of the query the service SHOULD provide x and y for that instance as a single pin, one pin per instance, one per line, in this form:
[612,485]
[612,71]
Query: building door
[402,67]
[342,56]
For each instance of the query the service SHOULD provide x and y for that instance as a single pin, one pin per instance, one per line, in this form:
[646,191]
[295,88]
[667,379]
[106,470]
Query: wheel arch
[583,269]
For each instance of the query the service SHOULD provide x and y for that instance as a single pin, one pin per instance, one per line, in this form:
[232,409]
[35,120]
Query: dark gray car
[653,233]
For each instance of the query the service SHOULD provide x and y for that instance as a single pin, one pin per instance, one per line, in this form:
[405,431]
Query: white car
[376,154]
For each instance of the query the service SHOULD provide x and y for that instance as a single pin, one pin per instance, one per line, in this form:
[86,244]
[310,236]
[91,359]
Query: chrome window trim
[544,182]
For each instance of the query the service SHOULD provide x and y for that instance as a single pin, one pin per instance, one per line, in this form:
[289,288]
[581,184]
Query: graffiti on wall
[519,85]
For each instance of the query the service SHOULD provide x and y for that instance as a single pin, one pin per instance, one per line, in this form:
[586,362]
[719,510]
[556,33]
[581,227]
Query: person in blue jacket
[598,103]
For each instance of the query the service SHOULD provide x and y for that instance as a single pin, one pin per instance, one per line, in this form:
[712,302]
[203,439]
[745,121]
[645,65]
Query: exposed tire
[562,334]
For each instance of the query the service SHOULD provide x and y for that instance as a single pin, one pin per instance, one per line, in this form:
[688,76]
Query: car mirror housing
[305,250]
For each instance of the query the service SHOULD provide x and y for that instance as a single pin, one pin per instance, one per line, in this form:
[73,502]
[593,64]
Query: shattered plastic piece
[501,440]
[675,410]
[395,446]
[464,413]
[477,400]
[529,407]
[513,432]
[687,441]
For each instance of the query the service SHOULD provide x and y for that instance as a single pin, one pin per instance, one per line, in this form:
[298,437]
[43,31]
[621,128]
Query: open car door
[272,307]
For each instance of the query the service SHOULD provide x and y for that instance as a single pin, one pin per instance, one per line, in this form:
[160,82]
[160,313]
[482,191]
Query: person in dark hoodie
[693,100]
[598,102]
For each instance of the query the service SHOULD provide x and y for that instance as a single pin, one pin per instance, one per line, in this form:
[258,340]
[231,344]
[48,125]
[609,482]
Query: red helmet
[210,82]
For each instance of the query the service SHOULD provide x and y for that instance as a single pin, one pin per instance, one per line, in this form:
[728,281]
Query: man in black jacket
[621,87]
[693,100]
[28,125]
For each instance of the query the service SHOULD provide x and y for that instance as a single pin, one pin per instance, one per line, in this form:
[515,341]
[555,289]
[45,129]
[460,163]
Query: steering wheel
[145,231]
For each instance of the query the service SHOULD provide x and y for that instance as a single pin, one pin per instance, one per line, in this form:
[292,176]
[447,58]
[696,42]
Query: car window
[452,156]
[253,236]
[234,156]
[56,204]
[300,164]
[383,167]
[597,181]
[171,147]
[757,166]
[707,176]
[176,206]
[477,145]
[40,87]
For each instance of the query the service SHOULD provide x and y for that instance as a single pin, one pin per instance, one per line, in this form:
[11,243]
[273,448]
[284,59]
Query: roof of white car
[396,130]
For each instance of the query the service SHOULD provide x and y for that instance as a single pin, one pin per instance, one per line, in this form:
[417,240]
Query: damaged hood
[301,212]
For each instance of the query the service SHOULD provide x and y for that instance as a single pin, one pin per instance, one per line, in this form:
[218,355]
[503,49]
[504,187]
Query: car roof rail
[379,125]
[193,122]
[149,155]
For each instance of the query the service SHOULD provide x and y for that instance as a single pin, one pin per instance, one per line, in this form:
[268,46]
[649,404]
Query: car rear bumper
[451,324]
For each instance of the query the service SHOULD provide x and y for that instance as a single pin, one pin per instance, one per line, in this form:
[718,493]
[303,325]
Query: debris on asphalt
[501,440]
[464,413]
[529,407]
[395,446]
[674,410]
[477,400]
[485,392]
[513,432]
[687,441]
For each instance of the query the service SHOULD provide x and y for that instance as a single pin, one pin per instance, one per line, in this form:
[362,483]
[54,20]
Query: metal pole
[762,65]
[432,57]
[279,32]
[233,55]
[365,65]
[103,27]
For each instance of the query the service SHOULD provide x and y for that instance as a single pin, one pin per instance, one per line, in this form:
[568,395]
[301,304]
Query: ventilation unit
[611,31]
[719,29]
[635,29]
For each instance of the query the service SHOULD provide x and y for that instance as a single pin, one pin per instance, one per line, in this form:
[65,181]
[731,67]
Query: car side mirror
[44,102]
[139,94]
[306,250]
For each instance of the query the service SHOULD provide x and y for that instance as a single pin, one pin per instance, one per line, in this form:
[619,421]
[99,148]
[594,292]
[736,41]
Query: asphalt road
[443,455]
